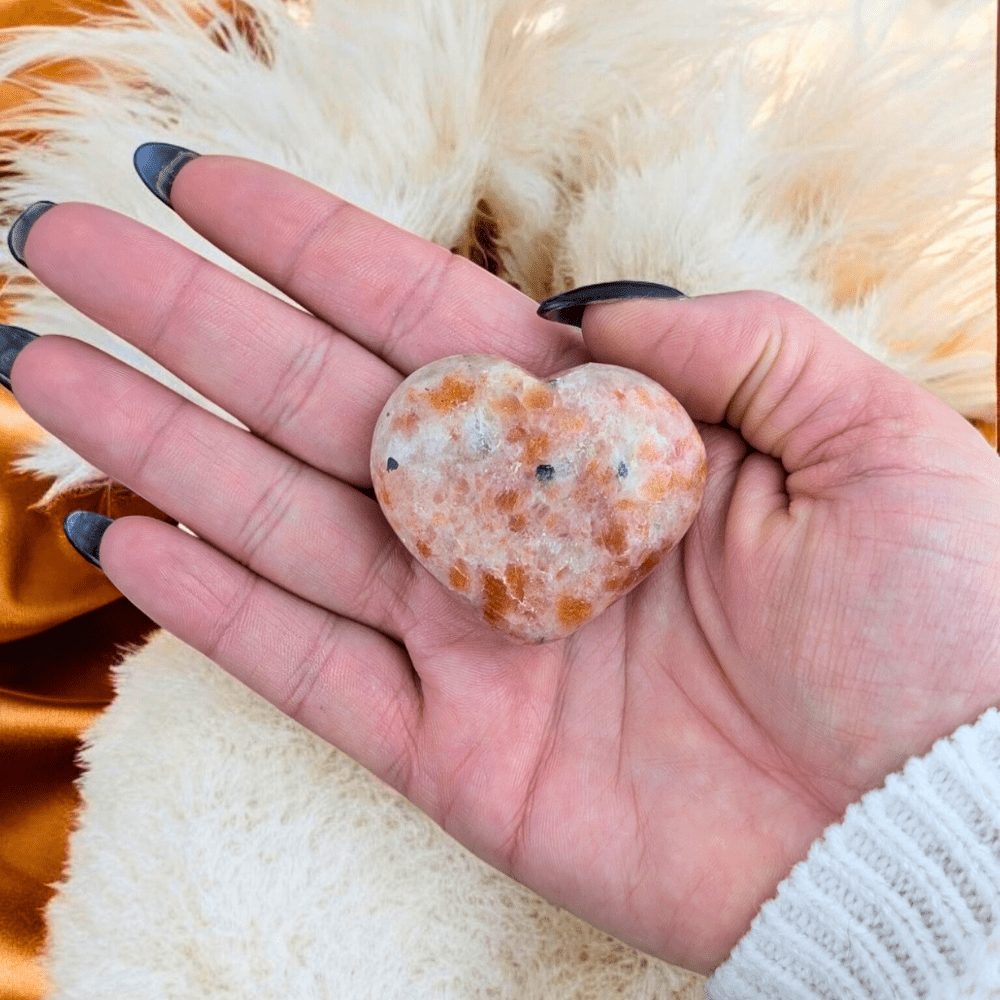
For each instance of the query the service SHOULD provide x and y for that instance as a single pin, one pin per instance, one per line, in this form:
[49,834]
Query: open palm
[830,613]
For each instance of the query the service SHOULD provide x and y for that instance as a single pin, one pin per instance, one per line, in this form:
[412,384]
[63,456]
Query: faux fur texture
[838,153]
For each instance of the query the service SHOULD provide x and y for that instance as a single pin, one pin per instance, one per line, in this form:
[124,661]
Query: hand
[831,612]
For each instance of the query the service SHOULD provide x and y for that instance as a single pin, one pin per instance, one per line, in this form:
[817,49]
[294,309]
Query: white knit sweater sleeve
[900,900]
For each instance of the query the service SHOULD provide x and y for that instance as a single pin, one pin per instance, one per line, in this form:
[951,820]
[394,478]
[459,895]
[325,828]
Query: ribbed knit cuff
[901,899]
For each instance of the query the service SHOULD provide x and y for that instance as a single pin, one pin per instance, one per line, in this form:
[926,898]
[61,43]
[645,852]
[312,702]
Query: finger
[347,683]
[793,387]
[404,298]
[311,534]
[286,375]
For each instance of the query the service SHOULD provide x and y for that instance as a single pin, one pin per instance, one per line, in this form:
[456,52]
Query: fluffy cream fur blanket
[838,153]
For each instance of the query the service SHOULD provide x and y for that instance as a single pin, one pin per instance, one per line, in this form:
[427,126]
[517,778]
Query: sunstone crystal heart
[540,502]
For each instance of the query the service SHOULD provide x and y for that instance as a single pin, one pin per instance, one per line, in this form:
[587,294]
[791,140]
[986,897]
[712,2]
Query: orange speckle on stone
[538,397]
[701,476]
[458,575]
[628,580]
[613,537]
[572,611]
[462,486]
[424,549]
[571,422]
[405,423]
[508,500]
[644,397]
[517,434]
[439,519]
[648,452]
[516,522]
[598,473]
[515,577]
[649,563]
[496,600]
[694,481]
[536,448]
[510,405]
[592,483]
[656,487]
[452,392]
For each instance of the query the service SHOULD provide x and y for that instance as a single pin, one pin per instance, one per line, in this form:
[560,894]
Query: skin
[832,611]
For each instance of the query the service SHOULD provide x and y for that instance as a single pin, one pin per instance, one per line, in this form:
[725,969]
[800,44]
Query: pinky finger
[349,684]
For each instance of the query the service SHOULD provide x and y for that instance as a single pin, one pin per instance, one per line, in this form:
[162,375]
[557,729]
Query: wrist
[898,898]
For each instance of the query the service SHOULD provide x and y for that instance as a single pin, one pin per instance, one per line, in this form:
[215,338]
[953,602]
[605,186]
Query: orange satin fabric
[60,620]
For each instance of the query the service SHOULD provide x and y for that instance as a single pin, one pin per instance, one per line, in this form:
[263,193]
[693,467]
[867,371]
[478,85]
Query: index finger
[402,297]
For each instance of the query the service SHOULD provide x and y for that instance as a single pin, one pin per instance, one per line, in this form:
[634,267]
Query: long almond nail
[18,235]
[568,307]
[158,164]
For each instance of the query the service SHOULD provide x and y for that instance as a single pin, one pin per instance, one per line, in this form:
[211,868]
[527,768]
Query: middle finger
[282,372]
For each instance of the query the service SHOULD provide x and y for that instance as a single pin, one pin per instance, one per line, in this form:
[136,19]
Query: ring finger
[310,533]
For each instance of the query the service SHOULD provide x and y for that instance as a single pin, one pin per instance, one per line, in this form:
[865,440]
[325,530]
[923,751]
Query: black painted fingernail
[85,529]
[158,164]
[568,307]
[18,234]
[12,340]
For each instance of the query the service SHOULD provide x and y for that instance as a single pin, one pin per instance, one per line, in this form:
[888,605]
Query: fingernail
[18,234]
[85,529]
[12,340]
[158,164]
[568,307]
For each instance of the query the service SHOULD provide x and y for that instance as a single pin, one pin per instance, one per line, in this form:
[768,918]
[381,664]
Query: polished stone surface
[541,502]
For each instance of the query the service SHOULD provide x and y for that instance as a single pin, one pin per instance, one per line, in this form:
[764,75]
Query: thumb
[792,386]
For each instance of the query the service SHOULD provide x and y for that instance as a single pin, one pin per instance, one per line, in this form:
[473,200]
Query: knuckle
[188,287]
[406,306]
[223,603]
[400,745]
[152,441]
[294,387]
[305,261]
[266,514]
[386,592]
[309,670]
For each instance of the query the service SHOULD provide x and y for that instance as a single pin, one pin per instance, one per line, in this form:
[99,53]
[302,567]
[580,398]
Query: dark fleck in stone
[553,381]
[622,470]
[392,464]
[545,472]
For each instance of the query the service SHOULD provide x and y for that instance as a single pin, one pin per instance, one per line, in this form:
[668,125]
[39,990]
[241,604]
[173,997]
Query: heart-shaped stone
[541,502]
